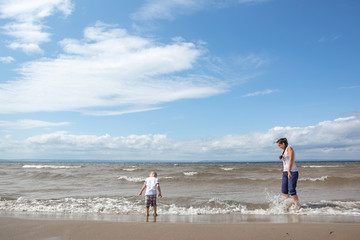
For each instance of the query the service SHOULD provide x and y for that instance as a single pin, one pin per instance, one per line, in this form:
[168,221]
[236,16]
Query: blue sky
[179,79]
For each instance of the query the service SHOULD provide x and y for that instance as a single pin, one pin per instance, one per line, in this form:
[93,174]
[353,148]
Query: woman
[290,172]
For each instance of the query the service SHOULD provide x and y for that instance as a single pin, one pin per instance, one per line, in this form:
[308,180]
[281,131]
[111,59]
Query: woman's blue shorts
[289,184]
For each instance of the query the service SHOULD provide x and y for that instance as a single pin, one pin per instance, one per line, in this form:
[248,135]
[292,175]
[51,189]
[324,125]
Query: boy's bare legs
[147,211]
[155,214]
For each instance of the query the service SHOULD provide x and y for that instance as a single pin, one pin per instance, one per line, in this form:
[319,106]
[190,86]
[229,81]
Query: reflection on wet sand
[147,218]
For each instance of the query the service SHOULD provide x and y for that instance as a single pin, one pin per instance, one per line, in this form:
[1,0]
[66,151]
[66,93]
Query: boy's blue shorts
[288,185]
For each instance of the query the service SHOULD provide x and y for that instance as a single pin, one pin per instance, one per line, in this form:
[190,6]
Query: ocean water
[223,190]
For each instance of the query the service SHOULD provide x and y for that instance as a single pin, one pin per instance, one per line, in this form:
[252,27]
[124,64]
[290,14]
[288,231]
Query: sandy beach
[20,229]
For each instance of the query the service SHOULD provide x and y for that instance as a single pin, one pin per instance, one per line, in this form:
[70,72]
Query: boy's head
[153,174]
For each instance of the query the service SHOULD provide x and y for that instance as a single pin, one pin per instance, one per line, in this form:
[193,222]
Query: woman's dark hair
[282,141]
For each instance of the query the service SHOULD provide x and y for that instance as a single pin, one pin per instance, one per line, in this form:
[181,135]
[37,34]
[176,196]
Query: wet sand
[37,229]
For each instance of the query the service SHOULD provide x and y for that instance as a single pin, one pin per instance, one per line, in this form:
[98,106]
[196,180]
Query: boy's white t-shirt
[151,185]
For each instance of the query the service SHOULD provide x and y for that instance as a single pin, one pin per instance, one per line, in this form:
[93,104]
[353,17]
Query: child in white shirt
[151,184]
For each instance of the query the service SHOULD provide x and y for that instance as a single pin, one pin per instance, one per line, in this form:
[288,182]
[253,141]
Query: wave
[321,166]
[73,205]
[132,179]
[322,179]
[190,173]
[227,169]
[276,205]
[160,178]
[50,166]
[329,180]
[50,175]
[129,169]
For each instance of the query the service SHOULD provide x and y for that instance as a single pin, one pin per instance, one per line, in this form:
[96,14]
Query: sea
[192,192]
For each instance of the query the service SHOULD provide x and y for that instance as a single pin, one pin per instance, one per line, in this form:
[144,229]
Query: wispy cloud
[110,68]
[29,123]
[116,113]
[349,87]
[265,92]
[336,139]
[166,9]
[324,39]
[170,9]
[251,61]
[7,59]
[26,21]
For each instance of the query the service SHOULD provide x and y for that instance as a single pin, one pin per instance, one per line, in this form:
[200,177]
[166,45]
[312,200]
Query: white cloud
[29,123]
[110,68]
[140,142]
[328,140]
[26,21]
[265,92]
[169,9]
[7,59]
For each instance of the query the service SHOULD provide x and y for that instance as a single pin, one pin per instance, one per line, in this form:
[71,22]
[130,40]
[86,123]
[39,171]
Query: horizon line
[163,161]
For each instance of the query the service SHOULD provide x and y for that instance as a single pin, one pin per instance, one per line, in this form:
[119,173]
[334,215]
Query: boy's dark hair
[283,141]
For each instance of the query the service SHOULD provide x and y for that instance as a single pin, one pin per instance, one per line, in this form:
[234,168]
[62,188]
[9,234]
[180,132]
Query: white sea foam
[192,210]
[323,166]
[190,173]
[280,206]
[50,166]
[166,178]
[131,205]
[132,179]
[322,179]
[227,169]
[129,169]
[74,205]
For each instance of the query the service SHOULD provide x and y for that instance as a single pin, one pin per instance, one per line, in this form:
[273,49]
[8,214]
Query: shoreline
[31,229]
[185,219]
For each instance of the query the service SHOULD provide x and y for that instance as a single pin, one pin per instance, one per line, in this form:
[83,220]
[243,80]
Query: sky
[173,80]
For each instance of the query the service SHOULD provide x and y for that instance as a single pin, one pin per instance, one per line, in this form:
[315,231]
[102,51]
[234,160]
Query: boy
[151,184]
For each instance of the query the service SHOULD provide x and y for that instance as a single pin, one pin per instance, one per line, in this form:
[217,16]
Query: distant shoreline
[155,161]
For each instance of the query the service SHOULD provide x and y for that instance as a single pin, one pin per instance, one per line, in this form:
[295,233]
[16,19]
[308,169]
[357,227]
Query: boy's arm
[142,189]
[158,187]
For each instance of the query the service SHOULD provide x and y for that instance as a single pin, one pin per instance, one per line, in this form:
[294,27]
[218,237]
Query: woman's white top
[286,161]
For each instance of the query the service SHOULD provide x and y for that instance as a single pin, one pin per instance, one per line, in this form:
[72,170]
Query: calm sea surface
[231,189]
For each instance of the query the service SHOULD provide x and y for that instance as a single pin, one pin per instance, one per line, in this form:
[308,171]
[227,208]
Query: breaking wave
[132,179]
[190,173]
[323,178]
[276,205]
[227,169]
[50,166]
